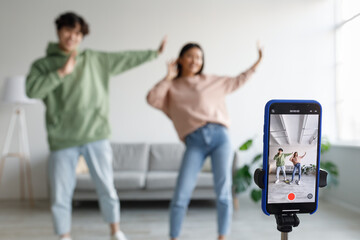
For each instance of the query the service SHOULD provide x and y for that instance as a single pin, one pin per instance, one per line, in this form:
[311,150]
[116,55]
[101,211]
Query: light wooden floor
[279,191]
[149,221]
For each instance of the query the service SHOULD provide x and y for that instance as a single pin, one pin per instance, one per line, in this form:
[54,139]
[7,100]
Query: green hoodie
[77,106]
[280,159]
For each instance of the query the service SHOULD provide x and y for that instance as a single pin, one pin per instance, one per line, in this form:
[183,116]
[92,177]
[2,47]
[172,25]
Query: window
[348,71]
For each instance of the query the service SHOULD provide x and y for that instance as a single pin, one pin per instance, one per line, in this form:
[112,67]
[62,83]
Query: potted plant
[331,168]
[308,169]
[243,176]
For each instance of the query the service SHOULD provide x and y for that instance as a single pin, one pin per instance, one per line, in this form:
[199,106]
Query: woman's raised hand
[162,45]
[260,49]
[172,70]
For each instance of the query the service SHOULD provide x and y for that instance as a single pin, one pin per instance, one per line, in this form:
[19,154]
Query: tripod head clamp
[259,178]
[286,221]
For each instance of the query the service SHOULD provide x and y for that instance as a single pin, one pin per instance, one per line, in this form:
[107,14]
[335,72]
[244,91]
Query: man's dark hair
[70,19]
[280,149]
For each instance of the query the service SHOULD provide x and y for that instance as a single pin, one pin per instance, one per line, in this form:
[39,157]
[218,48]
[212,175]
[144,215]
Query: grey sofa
[147,172]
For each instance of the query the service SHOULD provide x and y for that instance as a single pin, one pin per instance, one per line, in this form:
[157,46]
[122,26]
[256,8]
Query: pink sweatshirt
[192,102]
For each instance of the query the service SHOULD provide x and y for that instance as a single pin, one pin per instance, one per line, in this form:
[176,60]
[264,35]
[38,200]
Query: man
[280,163]
[74,85]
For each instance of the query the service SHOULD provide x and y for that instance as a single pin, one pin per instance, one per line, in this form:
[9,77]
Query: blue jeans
[210,140]
[282,168]
[62,166]
[297,166]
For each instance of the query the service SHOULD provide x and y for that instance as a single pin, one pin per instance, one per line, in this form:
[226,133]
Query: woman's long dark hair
[186,48]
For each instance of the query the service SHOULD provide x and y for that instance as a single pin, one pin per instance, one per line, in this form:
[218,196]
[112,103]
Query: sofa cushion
[166,157]
[84,182]
[129,180]
[130,156]
[167,180]
[122,180]
[207,165]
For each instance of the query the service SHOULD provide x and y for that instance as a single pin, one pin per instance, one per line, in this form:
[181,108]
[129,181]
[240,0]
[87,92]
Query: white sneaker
[119,235]
[277,181]
[298,182]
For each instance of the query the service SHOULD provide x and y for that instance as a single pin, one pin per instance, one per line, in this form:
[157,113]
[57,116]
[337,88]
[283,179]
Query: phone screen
[293,146]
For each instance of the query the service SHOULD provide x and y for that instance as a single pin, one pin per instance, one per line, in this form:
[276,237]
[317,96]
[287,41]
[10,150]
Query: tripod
[285,222]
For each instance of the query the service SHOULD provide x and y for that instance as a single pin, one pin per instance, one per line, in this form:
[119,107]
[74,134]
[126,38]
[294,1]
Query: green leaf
[333,172]
[257,158]
[242,179]
[325,145]
[256,195]
[246,145]
[332,180]
[330,167]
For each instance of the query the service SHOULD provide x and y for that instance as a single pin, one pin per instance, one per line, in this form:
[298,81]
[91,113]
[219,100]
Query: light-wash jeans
[209,140]
[298,167]
[278,171]
[62,166]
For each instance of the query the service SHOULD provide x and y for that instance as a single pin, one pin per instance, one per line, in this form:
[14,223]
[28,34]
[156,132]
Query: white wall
[347,193]
[298,60]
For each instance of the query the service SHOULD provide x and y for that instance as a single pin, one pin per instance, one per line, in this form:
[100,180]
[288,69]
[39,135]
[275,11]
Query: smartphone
[291,159]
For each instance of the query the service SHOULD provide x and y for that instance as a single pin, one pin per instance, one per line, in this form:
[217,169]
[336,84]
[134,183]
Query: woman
[295,159]
[195,102]
[74,86]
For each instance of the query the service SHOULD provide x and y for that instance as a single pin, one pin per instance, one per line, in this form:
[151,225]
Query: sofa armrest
[235,166]
[235,163]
